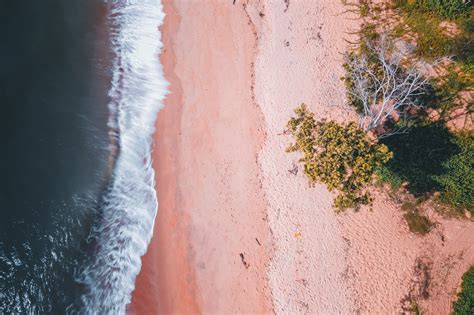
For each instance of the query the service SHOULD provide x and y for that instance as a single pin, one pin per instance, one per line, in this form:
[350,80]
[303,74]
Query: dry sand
[236,232]
[299,61]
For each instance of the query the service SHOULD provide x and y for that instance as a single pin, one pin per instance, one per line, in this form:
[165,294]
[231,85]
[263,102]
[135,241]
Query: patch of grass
[448,9]
[398,31]
[424,17]
[431,43]
[465,302]
[418,223]
[341,156]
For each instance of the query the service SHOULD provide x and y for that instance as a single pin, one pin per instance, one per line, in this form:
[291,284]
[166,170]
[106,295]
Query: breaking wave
[125,225]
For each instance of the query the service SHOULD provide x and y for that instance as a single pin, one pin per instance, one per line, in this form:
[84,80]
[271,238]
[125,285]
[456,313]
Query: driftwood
[386,91]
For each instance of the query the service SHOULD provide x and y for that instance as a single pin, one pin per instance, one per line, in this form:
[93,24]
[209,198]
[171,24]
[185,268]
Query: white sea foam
[129,206]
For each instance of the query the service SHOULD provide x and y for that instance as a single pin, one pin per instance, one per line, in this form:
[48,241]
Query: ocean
[80,88]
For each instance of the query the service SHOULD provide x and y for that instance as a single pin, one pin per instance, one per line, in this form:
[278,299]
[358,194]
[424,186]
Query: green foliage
[465,302]
[418,156]
[429,158]
[431,43]
[457,180]
[386,175]
[368,32]
[340,156]
[449,9]
[424,18]
[418,223]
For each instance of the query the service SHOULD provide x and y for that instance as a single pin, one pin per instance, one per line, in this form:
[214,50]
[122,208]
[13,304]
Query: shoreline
[159,288]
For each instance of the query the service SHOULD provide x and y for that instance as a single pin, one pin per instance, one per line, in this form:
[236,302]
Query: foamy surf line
[130,204]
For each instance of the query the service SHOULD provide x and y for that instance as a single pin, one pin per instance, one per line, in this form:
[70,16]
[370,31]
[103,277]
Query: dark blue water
[54,147]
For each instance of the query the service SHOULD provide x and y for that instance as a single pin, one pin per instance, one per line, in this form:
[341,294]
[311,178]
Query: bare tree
[384,89]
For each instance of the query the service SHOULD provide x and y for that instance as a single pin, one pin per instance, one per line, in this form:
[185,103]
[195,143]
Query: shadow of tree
[419,156]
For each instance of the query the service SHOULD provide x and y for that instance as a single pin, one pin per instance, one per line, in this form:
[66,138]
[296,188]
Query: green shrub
[457,180]
[465,302]
[364,8]
[418,156]
[340,156]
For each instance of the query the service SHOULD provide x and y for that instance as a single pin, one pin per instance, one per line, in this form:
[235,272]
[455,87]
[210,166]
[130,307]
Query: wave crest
[124,229]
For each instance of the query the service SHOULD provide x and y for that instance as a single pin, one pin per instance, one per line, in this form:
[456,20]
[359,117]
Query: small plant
[414,308]
[364,8]
[409,206]
[340,156]
[465,301]
[418,223]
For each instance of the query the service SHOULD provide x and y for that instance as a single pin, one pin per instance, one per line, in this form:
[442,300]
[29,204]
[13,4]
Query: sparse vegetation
[414,308]
[341,156]
[464,304]
[424,19]
[417,222]
[436,38]
[428,158]
[448,9]
[447,89]
[431,43]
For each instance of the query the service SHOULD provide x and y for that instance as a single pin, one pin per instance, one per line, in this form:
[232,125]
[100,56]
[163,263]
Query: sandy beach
[236,231]
[210,223]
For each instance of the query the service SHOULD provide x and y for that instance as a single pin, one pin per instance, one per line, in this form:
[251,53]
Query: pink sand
[224,189]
